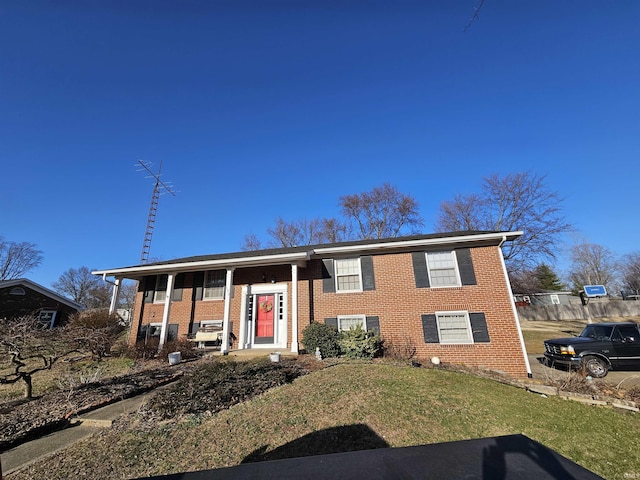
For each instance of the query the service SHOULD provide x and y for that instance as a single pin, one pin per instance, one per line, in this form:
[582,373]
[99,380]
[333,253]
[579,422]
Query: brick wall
[396,301]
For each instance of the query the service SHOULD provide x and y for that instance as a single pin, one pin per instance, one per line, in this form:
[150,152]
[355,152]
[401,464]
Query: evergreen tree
[547,278]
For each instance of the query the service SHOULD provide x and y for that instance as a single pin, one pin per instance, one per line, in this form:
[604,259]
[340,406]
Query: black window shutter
[178,285]
[430,329]
[465,266]
[373,323]
[328,283]
[479,327]
[368,279]
[172,332]
[198,281]
[420,272]
[195,326]
[331,321]
[149,288]
[142,333]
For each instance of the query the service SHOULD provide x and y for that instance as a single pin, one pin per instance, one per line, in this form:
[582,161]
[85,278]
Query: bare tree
[251,242]
[306,232]
[128,292]
[28,346]
[630,266]
[519,201]
[592,264]
[16,259]
[384,212]
[84,288]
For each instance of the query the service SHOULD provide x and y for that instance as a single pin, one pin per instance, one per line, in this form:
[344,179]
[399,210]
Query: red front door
[264,318]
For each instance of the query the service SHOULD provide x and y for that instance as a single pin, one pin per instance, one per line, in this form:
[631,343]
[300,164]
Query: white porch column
[114,297]
[228,285]
[167,310]
[294,308]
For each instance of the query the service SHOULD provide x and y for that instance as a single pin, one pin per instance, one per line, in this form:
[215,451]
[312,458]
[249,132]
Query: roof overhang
[36,287]
[479,240]
[134,273]
[301,256]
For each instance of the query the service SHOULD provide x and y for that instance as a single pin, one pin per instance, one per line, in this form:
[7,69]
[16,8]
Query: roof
[42,290]
[300,255]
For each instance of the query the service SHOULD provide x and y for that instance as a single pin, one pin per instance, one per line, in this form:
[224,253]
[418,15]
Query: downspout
[514,309]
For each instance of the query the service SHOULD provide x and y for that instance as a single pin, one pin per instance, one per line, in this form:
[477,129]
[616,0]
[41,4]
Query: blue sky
[260,109]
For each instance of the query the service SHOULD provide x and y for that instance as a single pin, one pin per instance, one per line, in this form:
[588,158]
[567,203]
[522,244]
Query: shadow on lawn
[347,438]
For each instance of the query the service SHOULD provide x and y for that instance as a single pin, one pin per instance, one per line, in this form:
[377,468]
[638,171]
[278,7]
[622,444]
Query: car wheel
[596,367]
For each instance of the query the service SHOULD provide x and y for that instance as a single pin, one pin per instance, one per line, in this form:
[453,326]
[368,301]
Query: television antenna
[159,188]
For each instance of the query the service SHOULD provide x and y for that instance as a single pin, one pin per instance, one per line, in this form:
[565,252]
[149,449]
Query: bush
[326,337]
[358,343]
[95,330]
[399,348]
[184,346]
[144,350]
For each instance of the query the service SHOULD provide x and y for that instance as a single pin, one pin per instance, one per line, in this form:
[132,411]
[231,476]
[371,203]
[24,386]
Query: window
[443,269]
[214,282]
[17,291]
[47,317]
[348,275]
[454,327]
[154,329]
[160,293]
[347,322]
[555,299]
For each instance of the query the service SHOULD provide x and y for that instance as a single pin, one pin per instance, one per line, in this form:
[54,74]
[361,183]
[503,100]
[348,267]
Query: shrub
[184,346]
[326,337]
[144,350]
[95,330]
[399,348]
[358,343]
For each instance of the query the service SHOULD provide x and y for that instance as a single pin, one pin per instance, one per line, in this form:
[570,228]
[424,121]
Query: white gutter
[515,310]
[419,243]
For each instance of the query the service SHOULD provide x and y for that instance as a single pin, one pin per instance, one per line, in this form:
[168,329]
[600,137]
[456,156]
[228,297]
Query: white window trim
[335,273]
[468,324]
[362,317]
[455,267]
[555,298]
[204,288]
[155,290]
[53,313]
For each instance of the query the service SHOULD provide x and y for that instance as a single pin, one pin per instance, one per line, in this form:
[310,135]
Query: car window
[599,332]
[629,332]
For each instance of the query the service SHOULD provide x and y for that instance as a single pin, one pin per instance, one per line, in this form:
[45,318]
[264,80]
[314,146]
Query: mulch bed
[40,416]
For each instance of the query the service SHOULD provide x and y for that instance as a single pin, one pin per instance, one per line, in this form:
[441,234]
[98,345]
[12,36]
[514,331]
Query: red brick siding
[396,301]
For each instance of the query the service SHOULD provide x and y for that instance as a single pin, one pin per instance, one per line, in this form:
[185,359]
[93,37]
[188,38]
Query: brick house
[446,294]
[20,297]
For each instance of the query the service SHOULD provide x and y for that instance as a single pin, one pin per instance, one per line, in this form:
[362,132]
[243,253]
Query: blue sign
[595,291]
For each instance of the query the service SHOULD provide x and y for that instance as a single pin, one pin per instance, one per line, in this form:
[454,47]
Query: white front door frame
[247,325]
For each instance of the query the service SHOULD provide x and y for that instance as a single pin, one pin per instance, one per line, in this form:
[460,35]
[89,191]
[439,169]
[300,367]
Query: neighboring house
[21,297]
[548,297]
[446,294]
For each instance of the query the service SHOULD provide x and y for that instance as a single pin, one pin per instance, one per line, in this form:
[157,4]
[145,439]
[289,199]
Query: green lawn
[387,404]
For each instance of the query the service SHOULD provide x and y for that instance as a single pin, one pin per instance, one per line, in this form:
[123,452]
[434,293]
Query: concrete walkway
[86,424]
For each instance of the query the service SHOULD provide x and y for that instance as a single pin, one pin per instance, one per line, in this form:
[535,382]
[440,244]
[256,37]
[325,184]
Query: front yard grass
[351,406]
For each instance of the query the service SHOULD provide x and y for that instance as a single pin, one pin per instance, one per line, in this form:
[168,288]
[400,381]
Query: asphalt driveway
[625,379]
